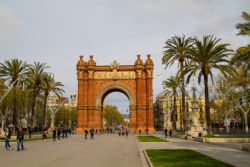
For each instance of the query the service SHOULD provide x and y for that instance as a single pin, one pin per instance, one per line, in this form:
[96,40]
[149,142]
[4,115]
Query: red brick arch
[95,82]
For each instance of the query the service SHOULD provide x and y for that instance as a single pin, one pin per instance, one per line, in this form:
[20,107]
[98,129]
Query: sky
[58,31]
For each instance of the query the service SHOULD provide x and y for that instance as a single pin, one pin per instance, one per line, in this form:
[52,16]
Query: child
[44,135]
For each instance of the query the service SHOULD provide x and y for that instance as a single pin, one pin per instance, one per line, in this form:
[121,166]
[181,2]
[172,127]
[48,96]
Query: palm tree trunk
[183,98]
[33,110]
[207,107]
[45,109]
[14,107]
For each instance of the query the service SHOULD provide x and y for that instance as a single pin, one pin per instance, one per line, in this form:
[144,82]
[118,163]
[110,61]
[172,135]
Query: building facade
[164,105]
[54,101]
[73,100]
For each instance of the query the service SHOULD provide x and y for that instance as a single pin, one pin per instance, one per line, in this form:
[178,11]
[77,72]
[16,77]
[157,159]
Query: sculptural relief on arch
[96,82]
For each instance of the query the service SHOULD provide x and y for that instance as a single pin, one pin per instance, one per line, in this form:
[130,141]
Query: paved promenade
[105,151]
[223,152]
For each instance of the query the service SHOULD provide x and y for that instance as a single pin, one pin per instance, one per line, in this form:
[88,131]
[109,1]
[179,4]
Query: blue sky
[58,31]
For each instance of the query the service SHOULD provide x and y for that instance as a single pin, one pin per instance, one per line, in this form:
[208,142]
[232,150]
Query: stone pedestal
[195,129]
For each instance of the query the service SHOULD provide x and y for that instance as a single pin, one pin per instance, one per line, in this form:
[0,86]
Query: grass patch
[212,136]
[179,133]
[32,139]
[183,158]
[150,139]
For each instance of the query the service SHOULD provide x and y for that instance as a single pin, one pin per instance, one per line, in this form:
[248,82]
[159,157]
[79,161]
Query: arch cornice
[114,86]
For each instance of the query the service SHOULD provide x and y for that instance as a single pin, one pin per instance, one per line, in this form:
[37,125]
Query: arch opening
[115,111]
[114,88]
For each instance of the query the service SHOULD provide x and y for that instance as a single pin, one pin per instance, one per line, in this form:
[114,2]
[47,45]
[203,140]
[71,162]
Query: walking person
[58,134]
[166,133]
[30,131]
[54,134]
[44,135]
[86,134]
[63,131]
[92,131]
[7,139]
[119,131]
[127,132]
[20,137]
[66,132]
[170,132]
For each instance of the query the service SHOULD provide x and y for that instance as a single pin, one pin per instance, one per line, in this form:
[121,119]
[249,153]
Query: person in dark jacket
[58,134]
[7,139]
[166,133]
[86,134]
[30,131]
[170,132]
[54,134]
[92,131]
[20,137]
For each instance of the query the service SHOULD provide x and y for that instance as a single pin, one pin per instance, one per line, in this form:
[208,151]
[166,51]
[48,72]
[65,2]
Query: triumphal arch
[96,82]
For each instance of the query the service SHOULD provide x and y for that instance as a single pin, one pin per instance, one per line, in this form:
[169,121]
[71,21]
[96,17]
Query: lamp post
[127,118]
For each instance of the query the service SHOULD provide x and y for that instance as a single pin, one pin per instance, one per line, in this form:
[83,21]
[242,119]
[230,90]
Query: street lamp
[127,118]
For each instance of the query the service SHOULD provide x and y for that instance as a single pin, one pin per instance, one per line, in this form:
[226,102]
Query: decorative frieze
[115,75]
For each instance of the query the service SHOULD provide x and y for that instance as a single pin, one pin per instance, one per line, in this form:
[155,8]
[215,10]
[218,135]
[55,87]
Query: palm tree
[12,70]
[176,50]
[206,55]
[244,27]
[50,85]
[173,83]
[242,56]
[35,73]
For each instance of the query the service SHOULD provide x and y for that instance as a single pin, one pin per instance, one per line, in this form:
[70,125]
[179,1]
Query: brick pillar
[132,119]
[139,121]
[80,111]
[144,101]
[90,100]
[150,114]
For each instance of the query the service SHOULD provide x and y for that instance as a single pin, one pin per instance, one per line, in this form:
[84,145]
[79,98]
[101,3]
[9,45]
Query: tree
[242,56]
[49,85]
[206,55]
[244,27]
[226,97]
[12,70]
[176,50]
[173,83]
[241,85]
[112,116]
[5,103]
[35,73]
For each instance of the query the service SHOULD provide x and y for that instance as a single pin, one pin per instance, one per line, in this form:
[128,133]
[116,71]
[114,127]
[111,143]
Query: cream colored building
[73,100]
[164,107]
[53,101]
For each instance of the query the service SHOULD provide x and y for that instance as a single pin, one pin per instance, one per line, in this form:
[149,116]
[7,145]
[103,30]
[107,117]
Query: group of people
[57,132]
[166,132]
[123,132]
[19,138]
[91,131]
